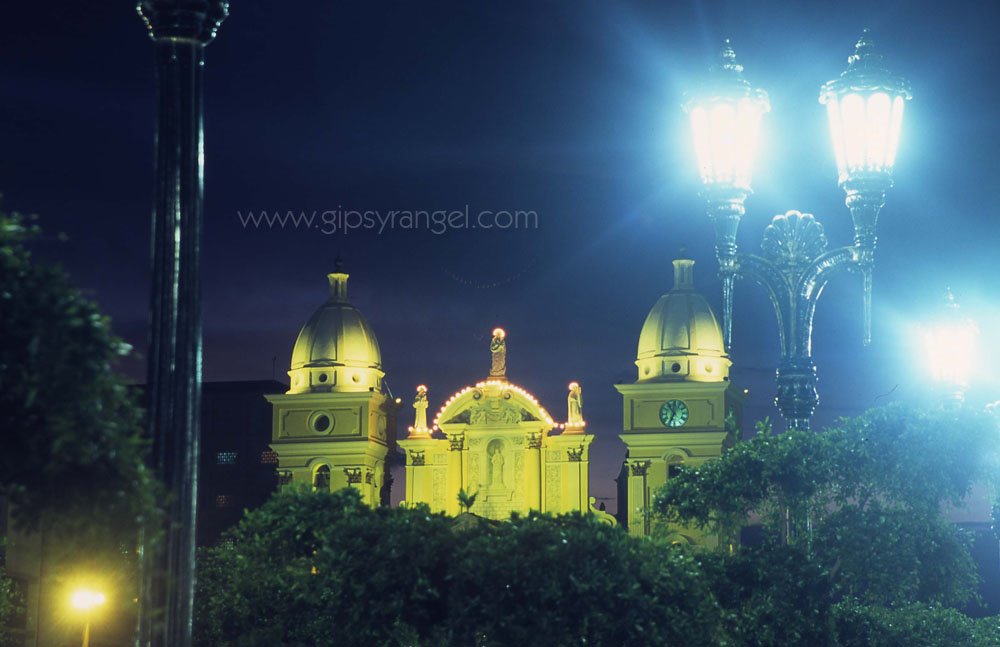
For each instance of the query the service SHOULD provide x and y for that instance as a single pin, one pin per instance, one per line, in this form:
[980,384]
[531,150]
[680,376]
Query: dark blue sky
[569,109]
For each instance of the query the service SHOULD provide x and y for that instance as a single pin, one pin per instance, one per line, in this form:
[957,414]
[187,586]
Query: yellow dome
[681,339]
[336,350]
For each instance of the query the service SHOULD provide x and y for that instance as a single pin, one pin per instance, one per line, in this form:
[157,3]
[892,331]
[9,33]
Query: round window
[321,423]
[676,368]
[322,377]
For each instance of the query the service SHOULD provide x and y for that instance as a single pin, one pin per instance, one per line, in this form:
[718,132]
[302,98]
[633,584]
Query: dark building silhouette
[237,466]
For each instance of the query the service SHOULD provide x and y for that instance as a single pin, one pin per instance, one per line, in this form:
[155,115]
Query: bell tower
[335,426]
[682,408]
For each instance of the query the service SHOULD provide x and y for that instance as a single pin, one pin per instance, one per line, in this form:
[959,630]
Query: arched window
[673,465]
[321,478]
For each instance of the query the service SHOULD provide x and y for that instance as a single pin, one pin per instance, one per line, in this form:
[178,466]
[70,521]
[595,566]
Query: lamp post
[180,30]
[949,345]
[865,108]
[85,601]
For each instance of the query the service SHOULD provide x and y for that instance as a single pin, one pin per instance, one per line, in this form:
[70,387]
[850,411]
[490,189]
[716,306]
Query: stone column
[533,471]
[638,499]
[456,455]
[180,29]
[572,489]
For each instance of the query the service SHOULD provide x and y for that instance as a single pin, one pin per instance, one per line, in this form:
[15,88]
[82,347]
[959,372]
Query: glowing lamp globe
[950,347]
[865,110]
[86,599]
[725,124]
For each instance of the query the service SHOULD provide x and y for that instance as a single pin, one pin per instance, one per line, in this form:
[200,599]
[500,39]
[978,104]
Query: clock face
[673,413]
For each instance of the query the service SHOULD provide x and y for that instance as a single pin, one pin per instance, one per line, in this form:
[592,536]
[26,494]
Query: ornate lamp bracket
[725,210]
[794,267]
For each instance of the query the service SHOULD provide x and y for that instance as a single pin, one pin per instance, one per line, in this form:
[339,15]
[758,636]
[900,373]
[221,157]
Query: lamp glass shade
[865,129]
[725,134]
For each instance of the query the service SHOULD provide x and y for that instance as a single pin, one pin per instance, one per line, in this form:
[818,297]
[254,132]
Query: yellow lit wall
[494,440]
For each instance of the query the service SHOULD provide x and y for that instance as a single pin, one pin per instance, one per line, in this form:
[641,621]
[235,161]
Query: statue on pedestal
[496,467]
[420,409]
[498,350]
[574,404]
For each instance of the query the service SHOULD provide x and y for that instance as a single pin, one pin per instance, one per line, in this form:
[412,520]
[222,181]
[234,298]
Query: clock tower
[682,409]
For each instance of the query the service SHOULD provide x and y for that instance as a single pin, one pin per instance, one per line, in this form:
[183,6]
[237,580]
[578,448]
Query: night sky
[568,109]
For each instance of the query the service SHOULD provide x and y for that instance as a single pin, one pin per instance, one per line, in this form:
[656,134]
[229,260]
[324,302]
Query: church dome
[681,340]
[336,350]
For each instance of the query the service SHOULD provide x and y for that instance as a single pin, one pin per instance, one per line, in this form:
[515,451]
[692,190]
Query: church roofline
[440,418]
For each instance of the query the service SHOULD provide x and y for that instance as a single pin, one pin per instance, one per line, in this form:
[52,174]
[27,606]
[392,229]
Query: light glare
[895,128]
[878,129]
[950,347]
[86,599]
[725,136]
[836,133]
[699,129]
[865,131]
[852,110]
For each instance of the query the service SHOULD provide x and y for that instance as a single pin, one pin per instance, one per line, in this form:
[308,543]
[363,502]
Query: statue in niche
[496,466]
[498,351]
[420,407]
[574,404]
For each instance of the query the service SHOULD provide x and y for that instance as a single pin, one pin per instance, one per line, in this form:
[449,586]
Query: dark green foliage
[9,603]
[871,488]
[571,580]
[891,555]
[466,500]
[773,594]
[72,460]
[377,574]
[406,576]
[911,626]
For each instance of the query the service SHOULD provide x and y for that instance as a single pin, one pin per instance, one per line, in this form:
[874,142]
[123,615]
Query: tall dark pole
[180,29]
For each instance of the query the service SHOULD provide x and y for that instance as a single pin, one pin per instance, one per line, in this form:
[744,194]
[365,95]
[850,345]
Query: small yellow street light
[85,601]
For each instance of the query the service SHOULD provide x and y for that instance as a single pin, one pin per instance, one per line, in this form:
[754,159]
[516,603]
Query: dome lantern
[336,350]
[681,340]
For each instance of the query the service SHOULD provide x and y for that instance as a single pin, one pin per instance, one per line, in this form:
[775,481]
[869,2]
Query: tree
[870,490]
[466,500]
[317,568]
[873,487]
[9,603]
[912,624]
[73,450]
[72,464]
[772,594]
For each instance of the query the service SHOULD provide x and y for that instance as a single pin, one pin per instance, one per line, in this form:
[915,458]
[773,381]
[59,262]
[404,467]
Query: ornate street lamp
[865,107]
[949,346]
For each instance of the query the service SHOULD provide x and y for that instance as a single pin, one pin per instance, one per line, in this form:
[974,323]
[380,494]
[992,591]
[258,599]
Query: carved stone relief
[552,487]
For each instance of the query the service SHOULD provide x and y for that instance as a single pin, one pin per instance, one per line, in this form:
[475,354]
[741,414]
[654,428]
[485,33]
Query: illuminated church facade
[335,426]
[493,439]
